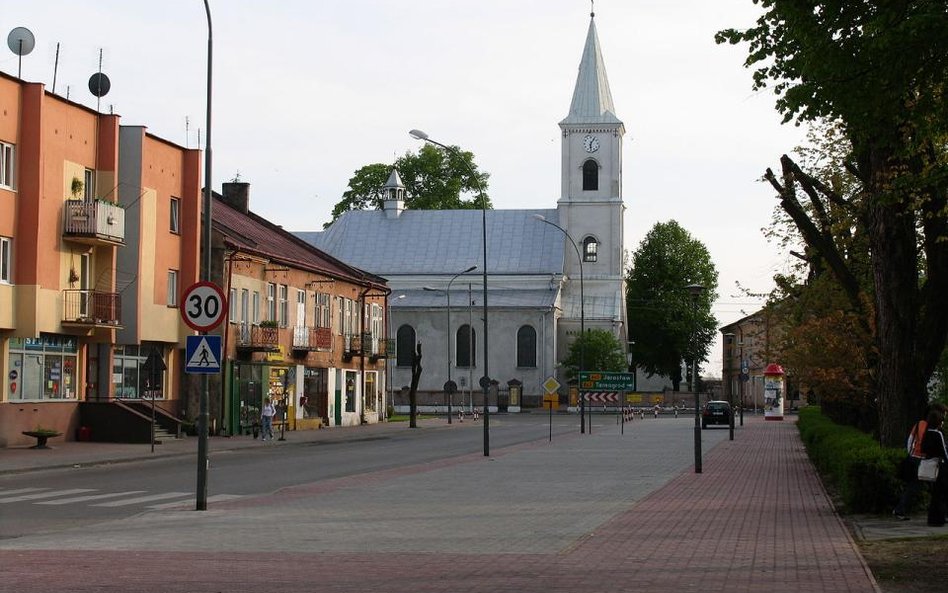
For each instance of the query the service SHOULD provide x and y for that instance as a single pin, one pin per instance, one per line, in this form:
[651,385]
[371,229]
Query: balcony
[254,338]
[309,339]
[94,222]
[363,345]
[92,308]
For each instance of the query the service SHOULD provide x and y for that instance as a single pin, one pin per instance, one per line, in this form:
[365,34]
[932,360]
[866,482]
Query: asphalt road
[49,501]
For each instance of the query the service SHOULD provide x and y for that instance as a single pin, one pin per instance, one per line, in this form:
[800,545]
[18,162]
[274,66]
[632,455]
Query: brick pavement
[757,519]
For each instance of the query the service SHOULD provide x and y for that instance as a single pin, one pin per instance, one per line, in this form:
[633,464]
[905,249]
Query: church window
[404,345]
[526,347]
[590,249]
[466,347]
[590,175]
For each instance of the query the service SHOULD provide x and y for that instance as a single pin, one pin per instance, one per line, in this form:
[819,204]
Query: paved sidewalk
[545,518]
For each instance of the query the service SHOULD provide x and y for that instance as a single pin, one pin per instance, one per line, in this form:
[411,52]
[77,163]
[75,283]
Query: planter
[41,437]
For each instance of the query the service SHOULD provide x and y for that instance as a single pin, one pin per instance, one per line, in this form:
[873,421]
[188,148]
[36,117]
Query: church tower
[590,207]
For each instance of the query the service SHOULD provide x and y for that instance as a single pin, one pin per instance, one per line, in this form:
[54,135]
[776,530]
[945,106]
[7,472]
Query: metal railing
[255,336]
[312,338]
[92,307]
[94,219]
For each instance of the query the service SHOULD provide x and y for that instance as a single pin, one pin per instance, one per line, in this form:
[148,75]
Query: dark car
[716,412]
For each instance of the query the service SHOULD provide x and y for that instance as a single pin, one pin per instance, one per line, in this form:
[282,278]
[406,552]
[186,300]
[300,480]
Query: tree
[879,70]
[665,326]
[434,178]
[826,343]
[599,350]
[413,388]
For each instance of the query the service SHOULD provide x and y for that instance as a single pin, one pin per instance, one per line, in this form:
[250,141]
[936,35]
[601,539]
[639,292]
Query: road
[50,501]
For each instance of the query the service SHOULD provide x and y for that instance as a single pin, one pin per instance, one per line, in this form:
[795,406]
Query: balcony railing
[255,337]
[364,345]
[91,307]
[94,221]
[312,338]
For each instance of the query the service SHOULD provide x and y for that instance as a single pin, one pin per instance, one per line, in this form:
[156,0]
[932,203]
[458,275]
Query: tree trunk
[413,389]
[900,382]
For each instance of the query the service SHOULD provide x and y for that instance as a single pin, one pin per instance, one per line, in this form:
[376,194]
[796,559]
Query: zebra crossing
[156,501]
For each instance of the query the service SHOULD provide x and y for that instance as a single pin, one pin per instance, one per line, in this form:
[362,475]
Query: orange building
[84,263]
[304,328]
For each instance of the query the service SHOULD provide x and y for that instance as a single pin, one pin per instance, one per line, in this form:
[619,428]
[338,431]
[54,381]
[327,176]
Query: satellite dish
[99,84]
[21,41]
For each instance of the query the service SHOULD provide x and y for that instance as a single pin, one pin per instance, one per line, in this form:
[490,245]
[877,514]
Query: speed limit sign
[203,306]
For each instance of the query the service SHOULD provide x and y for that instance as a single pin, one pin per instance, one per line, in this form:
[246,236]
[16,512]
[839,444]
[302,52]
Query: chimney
[236,194]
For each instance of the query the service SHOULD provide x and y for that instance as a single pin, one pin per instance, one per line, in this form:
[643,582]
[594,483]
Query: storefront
[43,368]
[129,378]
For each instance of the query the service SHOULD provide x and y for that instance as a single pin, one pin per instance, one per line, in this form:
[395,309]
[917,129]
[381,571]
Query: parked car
[716,412]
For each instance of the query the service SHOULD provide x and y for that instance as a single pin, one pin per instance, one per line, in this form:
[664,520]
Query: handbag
[908,468]
[928,469]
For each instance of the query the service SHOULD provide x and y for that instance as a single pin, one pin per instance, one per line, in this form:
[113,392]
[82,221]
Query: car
[716,412]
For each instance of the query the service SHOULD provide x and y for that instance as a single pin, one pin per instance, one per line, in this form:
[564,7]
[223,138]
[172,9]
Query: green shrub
[851,463]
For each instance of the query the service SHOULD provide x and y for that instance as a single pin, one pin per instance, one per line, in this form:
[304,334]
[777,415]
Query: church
[549,271]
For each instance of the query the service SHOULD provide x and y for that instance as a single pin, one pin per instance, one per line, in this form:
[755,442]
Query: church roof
[443,241]
[592,99]
[499,298]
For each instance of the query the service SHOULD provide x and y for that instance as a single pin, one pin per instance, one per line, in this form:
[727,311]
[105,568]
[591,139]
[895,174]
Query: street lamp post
[450,387]
[582,323]
[696,290]
[485,380]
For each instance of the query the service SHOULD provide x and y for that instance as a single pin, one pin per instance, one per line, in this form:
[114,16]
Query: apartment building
[304,329]
[86,254]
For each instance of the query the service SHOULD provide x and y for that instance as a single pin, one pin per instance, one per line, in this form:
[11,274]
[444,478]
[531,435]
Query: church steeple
[592,99]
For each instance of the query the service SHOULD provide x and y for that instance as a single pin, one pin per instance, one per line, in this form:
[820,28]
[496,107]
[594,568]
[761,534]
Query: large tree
[598,349]
[665,325]
[435,179]
[879,69]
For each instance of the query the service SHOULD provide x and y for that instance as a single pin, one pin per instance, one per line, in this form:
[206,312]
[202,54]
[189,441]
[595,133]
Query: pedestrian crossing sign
[202,355]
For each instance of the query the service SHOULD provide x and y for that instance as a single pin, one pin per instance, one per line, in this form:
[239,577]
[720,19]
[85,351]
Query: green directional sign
[603,381]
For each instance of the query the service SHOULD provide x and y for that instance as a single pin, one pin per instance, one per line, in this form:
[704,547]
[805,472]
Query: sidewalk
[590,513]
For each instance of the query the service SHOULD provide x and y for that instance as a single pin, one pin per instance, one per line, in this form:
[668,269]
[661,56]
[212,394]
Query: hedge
[851,463]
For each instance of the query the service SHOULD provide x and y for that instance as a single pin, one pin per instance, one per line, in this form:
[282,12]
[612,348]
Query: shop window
[129,379]
[43,368]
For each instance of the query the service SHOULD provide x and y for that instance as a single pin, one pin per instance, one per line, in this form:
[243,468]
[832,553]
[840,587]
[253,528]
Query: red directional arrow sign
[203,306]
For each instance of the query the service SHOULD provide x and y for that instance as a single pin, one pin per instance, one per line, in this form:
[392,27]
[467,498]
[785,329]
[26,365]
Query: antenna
[187,131]
[55,67]
[21,42]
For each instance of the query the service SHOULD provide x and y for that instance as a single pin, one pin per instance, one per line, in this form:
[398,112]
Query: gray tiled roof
[443,241]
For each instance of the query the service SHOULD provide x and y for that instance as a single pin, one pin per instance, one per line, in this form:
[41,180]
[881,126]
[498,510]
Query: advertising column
[773,392]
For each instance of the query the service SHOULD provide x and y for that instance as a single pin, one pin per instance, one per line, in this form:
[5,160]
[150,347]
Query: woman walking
[933,446]
[266,416]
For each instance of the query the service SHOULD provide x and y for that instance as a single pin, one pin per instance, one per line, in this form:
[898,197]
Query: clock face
[591,143]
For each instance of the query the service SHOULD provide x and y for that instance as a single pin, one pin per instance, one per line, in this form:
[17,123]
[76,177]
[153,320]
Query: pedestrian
[908,470]
[933,446]
[266,417]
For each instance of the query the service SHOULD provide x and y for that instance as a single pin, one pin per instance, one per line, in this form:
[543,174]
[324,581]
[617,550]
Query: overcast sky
[306,92]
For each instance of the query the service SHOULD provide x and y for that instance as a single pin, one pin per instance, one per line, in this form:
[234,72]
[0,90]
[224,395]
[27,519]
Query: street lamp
[389,377]
[729,337]
[485,380]
[582,323]
[450,387]
[696,290]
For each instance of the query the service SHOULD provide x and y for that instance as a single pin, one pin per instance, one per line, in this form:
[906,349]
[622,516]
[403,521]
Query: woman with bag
[933,447]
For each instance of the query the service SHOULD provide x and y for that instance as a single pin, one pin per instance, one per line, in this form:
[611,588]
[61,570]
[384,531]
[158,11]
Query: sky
[307,92]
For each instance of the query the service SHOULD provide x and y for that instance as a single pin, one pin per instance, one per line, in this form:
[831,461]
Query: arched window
[466,347]
[590,249]
[526,347]
[404,346]
[590,175]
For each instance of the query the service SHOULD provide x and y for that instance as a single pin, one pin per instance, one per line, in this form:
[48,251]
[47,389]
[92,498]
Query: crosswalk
[96,498]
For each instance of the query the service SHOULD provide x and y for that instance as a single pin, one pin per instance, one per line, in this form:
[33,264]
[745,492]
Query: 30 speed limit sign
[203,306]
